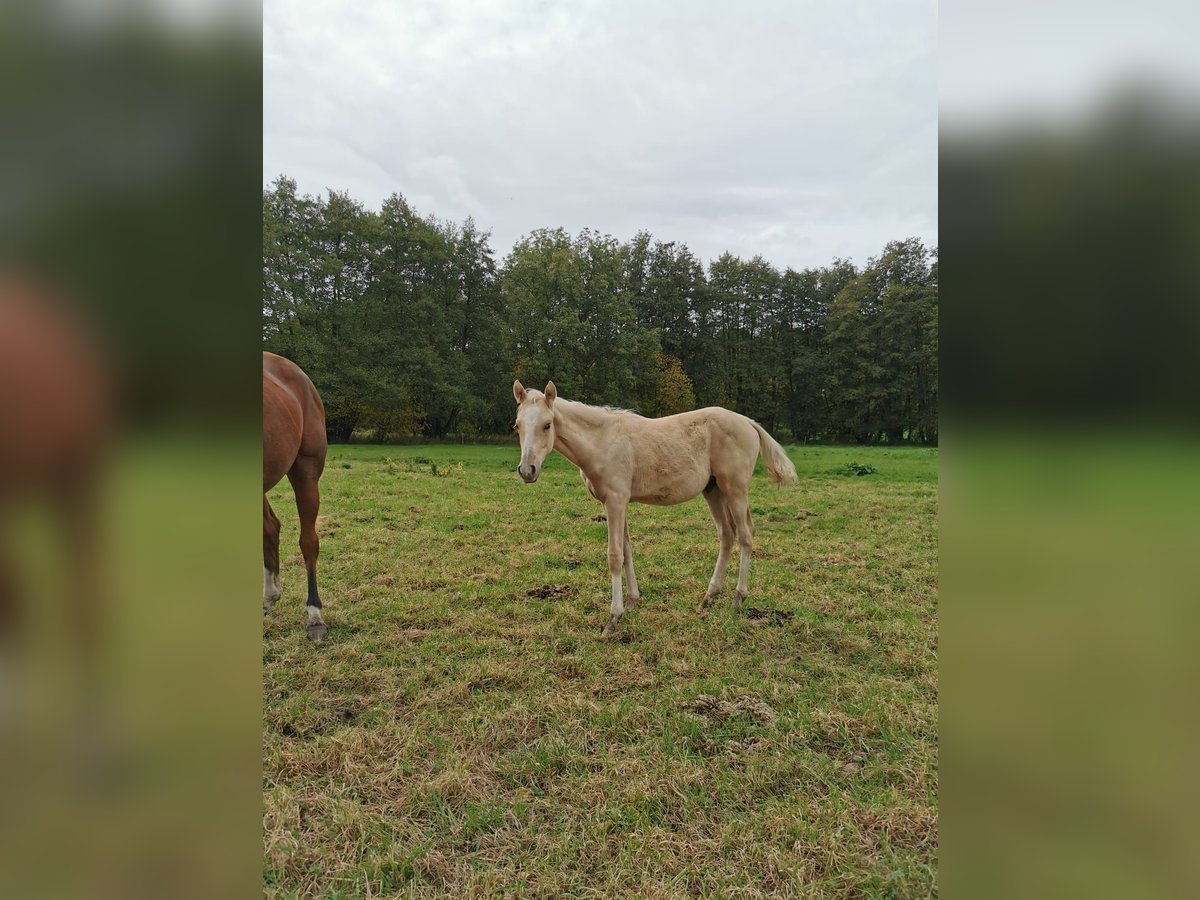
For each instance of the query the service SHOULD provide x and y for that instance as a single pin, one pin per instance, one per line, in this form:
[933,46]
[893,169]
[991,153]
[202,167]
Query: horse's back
[720,427]
[727,441]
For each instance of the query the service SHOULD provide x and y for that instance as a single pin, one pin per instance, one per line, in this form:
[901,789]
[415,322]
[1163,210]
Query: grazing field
[464,728]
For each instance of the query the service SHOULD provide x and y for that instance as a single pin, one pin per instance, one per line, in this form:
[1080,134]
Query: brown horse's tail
[779,466]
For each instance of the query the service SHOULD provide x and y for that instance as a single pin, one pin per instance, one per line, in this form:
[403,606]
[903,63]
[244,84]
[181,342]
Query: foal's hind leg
[630,578]
[303,476]
[271,589]
[716,505]
[738,507]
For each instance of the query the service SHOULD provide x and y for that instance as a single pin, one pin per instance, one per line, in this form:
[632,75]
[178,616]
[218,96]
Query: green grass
[455,735]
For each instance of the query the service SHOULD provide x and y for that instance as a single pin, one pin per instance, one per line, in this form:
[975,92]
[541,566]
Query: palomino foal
[625,457]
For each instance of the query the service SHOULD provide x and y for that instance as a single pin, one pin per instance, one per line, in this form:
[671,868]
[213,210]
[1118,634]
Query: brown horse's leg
[615,510]
[716,505]
[78,511]
[271,588]
[303,476]
[10,603]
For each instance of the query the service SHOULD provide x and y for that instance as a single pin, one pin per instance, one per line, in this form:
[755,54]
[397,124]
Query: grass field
[455,734]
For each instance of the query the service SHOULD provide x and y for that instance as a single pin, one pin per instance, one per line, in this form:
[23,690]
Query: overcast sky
[802,131]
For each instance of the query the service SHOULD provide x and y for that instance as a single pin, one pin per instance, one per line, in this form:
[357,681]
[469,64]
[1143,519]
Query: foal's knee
[616,561]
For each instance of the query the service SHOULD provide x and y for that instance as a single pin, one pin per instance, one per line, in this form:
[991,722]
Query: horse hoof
[316,631]
[610,627]
[707,601]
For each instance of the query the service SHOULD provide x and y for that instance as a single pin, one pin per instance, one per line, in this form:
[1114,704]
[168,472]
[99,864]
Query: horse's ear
[551,393]
[518,391]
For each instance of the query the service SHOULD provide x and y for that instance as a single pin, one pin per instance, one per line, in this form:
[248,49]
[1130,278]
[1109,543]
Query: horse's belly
[676,490]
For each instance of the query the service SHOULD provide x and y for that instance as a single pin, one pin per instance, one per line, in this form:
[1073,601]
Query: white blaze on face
[534,419]
[535,423]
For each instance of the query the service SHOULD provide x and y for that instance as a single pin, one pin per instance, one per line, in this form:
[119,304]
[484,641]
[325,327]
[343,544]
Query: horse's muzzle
[528,474]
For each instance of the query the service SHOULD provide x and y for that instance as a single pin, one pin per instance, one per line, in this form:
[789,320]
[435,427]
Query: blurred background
[129,443]
[1070,207]
[130,262]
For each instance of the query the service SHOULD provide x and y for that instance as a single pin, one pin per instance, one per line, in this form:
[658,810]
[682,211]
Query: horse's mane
[615,410]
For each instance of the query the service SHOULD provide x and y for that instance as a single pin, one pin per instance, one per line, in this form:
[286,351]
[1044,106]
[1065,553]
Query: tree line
[408,325]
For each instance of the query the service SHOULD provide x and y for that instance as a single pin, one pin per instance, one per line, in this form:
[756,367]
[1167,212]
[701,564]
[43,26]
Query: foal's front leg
[615,511]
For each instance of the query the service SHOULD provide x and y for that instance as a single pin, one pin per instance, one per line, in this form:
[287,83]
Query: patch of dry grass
[465,730]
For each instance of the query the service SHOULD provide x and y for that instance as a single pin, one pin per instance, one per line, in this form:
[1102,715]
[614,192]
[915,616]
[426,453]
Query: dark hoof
[316,632]
[707,601]
[610,627]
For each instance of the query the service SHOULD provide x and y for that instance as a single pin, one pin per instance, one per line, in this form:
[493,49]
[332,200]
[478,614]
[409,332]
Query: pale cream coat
[625,457]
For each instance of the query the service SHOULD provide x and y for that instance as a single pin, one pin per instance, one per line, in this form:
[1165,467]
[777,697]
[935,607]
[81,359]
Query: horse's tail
[779,466]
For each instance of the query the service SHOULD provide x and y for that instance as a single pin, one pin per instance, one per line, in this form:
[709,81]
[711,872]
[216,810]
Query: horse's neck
[580,431]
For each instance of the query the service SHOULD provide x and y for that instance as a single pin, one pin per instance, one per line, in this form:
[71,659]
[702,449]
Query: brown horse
[294,444]
[56,415]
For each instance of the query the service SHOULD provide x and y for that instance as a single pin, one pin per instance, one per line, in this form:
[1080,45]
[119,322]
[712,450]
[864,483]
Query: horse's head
[535,424]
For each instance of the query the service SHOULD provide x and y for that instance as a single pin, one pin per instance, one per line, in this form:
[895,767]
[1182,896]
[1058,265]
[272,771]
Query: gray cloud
[801,131]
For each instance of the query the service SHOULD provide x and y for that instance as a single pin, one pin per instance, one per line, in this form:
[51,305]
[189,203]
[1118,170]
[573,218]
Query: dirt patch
[492,681]
[569,669]
[431,584]
[600,518]
[774,617]
[715,709]
[550,591]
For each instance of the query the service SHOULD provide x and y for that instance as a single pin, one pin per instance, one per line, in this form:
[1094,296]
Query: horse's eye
[546,427]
